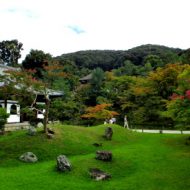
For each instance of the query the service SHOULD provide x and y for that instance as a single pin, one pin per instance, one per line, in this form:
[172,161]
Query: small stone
[63,164]
[98,174]
[97,144]
[28,157]
[104,155]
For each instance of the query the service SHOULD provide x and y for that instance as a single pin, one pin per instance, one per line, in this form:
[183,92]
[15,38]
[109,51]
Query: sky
[64,26]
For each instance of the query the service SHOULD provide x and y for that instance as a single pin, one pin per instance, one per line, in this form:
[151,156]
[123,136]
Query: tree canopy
[10,52]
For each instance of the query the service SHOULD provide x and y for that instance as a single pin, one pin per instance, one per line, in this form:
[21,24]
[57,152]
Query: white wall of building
[13,118]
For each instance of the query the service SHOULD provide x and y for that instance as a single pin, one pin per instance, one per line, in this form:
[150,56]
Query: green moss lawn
[140,161]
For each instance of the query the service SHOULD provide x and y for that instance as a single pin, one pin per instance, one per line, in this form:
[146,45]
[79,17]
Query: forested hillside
[112,59]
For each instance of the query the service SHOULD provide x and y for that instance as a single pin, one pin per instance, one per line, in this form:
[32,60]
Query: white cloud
[98,24]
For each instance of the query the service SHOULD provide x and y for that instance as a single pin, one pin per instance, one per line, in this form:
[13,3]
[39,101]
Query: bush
[3,118]
[31,116]
[182,126]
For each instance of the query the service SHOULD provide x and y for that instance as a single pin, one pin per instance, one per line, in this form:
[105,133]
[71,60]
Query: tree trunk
[46,114]
[5,103]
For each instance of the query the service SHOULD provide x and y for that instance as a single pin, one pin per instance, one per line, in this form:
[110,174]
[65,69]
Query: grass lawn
[140,161]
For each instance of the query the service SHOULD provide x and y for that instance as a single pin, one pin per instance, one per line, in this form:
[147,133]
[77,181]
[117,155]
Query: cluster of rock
[63,163]
[32,131]
[102,155]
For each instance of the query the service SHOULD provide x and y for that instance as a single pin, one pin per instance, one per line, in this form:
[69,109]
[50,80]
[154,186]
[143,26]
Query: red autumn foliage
[182,97]
[174,96]
[187,94]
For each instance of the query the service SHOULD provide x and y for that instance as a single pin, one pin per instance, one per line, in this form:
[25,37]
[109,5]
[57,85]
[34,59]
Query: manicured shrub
[3,118]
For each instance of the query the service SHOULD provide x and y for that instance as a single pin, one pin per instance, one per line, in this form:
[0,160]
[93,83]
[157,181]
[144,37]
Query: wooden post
[46,113]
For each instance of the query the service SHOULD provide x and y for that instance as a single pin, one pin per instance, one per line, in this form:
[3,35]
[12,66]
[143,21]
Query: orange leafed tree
[99,112]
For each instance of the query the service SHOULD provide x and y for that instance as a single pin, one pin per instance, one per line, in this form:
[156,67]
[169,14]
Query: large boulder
[108,133]
[28,157]
[98,174]
[104,155]
[63,163]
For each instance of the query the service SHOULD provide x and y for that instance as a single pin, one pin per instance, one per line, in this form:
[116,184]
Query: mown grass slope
[140,161]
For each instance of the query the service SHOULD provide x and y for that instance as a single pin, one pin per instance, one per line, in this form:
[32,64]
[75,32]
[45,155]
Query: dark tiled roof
[86,78]
[4,68]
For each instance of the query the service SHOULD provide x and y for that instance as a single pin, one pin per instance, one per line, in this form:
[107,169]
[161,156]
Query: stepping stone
[98,174]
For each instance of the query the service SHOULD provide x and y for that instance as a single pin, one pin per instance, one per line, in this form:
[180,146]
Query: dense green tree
[154,60]
[93,90]
[67,110]
[36,60]
[183,79]
[128,69]
[185,56]
[97,79]
[10,52]
[164,80]
[3,118]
